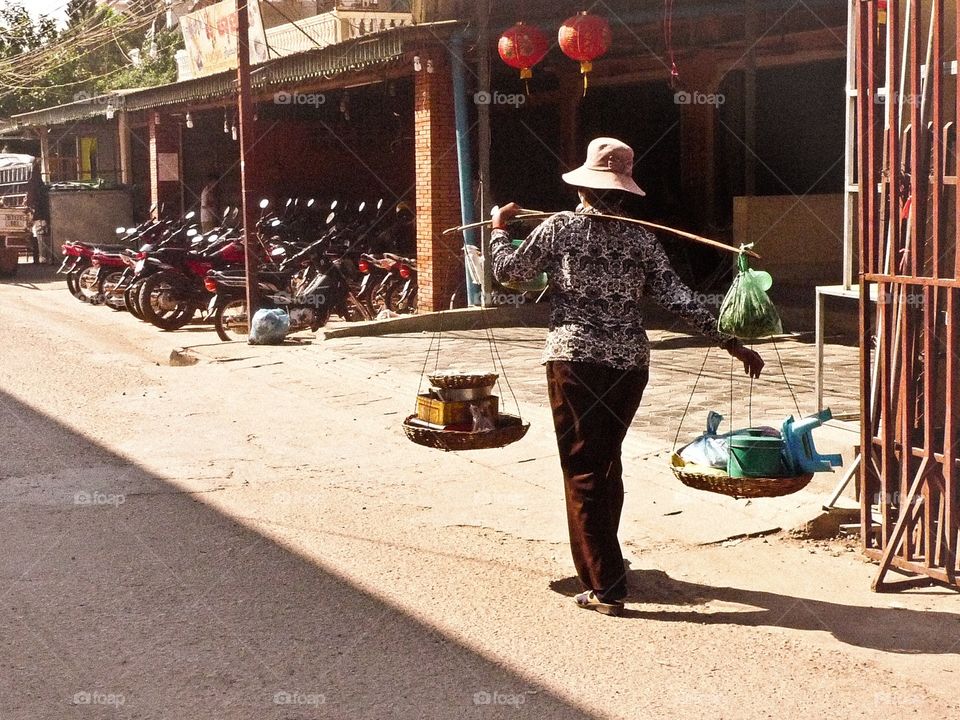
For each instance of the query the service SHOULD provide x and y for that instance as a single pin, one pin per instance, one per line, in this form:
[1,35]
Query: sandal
[590,601]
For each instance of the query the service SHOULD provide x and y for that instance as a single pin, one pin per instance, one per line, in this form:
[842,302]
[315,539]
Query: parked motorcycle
[309,285]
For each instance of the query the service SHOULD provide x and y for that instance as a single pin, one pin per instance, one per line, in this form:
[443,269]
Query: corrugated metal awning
[371,50]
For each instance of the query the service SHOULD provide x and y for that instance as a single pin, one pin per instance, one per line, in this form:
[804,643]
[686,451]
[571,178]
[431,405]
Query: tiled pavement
[676,364]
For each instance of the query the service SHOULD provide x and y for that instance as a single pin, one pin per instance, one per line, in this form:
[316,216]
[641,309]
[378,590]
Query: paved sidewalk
[659,507]
[677,361]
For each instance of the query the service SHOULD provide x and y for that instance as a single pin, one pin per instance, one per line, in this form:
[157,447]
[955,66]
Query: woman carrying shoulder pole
[597,353]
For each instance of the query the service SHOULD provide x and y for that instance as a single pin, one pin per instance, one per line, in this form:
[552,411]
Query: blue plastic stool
[800,454]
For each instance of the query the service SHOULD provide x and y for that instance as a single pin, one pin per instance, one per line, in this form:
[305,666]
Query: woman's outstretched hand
[502,215]
[752,362]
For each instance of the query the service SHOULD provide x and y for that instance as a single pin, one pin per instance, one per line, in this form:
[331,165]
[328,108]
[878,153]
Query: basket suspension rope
[786,380]
[423,370]
[434,350]
[730,420]
[693,392]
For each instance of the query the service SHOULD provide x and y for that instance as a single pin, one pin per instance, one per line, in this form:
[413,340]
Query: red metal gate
[907,109]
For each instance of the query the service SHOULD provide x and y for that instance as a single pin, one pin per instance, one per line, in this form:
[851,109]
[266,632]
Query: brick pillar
[439,266]
[698,124]
[164,144]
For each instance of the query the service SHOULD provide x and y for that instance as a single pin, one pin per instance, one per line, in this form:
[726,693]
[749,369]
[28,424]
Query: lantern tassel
[585,68]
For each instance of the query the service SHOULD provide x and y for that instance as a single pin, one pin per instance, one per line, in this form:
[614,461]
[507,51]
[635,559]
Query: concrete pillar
[164,165]
[123,142]
[44,134]
[698,129]
[439,268]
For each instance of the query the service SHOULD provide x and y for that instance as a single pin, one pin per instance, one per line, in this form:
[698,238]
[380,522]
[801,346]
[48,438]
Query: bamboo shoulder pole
[530,214]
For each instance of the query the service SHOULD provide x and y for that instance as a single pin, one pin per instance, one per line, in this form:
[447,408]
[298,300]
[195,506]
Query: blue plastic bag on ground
[269,327]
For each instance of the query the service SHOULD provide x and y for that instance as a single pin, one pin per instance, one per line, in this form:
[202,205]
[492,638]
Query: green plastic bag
[747,310]
[537,284]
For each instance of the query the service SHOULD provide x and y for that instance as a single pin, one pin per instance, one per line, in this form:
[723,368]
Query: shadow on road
[124,597]
[895,630]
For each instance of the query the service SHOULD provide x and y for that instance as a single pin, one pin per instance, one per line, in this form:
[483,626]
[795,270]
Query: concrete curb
[474,318]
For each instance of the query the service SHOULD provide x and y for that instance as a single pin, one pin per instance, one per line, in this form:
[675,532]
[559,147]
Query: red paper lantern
[522,46]
[584,37]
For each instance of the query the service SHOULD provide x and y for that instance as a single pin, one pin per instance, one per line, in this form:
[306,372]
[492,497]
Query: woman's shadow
[888,629]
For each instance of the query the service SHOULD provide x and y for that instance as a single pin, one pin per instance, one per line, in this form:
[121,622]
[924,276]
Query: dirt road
[252,537]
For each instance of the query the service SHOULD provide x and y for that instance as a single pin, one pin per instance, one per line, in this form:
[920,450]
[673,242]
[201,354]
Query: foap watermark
[288,697]
[710,299]
[698,98]
[295,98]
[86,697]
[908,299]
[115,101]
[314,300]
[288,497]
[498,98]
[484,697]
[508,298]
[897,698]
[87,497]
[899,98]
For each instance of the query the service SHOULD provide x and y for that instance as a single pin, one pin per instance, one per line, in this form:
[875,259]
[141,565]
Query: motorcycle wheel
[107,287]
[407,305]
[72,283]
[367,301]
[88,285]
[131,300]
[231,322]
[160,307]
[354,310]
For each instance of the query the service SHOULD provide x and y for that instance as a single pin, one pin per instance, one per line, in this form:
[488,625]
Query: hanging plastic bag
[709,449]
[269,327]
[747,311]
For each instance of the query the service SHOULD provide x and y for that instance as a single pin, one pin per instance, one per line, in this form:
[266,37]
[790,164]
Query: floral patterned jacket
[599,270]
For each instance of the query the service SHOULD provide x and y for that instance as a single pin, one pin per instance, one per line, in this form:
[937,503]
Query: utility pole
[483,145]
[247,172]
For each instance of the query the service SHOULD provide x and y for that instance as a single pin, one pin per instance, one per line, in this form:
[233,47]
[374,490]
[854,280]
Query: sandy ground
[251,536]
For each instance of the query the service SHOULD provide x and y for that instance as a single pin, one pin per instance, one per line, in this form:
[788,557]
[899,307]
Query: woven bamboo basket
[459,380]
[717,481]
[509,429]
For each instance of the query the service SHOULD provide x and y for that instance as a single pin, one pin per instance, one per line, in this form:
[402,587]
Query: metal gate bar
[909,349]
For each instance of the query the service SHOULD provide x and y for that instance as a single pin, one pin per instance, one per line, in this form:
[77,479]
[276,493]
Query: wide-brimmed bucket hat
[609,166]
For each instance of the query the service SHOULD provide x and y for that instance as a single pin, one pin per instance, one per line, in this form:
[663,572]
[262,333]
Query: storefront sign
[14,220]
[210,36]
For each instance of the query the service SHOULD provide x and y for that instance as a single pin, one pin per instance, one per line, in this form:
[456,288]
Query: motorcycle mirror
[362,206]
[310,202]
[333,205]
[277,251]
[379,203]
[214,237]
[190,215]
[264,204]
[330,218]
[274,222]
[121,231]
[191,232]
[289,202]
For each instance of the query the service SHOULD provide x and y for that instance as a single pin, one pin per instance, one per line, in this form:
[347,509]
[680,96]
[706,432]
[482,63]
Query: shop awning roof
[367,51]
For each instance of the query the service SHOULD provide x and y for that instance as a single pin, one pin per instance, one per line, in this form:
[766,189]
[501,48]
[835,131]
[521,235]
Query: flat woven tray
[712,480]
[509,430]
[454,380]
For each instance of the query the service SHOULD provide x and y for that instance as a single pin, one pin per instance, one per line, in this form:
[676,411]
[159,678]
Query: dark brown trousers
[593,405]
